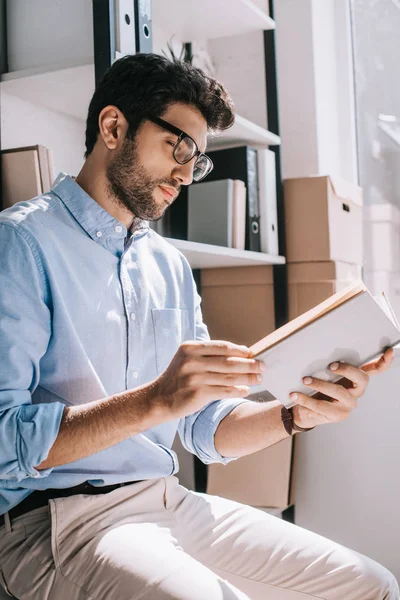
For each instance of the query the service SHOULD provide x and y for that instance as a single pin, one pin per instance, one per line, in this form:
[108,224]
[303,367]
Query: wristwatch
[288,422]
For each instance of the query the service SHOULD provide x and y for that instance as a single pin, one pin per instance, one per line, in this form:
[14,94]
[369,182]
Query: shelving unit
[64,90]
[208,256]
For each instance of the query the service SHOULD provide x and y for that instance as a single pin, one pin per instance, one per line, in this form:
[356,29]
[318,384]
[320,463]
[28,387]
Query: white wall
[315,92]
[26,124]
[346,485]
[239,65]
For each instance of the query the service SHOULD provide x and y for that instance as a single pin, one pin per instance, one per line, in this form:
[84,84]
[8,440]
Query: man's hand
[201,372]
[335,401]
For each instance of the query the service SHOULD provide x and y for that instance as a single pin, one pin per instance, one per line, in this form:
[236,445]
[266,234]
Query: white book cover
[267,202]
[355,332]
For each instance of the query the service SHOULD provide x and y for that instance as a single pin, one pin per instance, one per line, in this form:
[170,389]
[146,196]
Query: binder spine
[253,214]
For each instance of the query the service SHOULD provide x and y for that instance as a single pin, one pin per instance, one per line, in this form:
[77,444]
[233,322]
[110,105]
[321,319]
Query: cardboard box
[324,220]
[238,303]
[382,237]
[26,173]
[260,479]
[313,282]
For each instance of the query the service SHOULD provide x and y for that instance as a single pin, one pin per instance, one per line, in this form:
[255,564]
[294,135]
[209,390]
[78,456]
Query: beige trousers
[155,540]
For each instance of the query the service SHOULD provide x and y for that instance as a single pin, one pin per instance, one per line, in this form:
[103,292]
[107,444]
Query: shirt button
[118,229]
[135,374]
[99,234]
[133,316]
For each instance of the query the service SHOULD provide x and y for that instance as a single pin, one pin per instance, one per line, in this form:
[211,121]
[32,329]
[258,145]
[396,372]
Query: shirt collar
[102,227]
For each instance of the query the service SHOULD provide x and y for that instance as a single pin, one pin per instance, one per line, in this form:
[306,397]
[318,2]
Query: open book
[350,326]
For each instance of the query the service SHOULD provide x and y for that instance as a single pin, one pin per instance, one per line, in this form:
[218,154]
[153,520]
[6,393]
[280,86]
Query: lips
[168,194]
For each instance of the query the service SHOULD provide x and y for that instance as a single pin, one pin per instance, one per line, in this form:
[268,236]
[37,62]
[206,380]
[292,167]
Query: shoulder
[30,215]
[23,225]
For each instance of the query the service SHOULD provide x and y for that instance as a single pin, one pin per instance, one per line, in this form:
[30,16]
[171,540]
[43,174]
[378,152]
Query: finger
[230,364]
[381,365]
[217,392]
[216,347]
[225,379]
[320,407]
[357,376]
[332,390]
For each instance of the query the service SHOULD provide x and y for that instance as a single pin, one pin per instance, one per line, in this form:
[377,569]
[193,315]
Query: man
[105,356]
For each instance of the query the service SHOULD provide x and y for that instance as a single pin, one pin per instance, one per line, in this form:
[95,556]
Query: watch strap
[288,421]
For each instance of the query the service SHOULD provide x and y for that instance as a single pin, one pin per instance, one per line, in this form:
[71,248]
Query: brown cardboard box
[313,282]
[238,303]
[323,220]
[260,479]
[26,173]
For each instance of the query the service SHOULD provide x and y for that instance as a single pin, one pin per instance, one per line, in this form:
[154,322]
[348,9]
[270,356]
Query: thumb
[380,365]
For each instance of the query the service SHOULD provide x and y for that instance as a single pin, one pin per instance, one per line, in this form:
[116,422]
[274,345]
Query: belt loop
[7,523]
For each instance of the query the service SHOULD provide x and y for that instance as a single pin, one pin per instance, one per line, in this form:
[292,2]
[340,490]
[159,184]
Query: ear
[112,126]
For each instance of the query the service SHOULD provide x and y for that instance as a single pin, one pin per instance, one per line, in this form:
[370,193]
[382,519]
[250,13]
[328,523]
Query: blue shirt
[84,315]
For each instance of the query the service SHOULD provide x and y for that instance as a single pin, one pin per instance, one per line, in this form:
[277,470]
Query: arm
[92,427]
[198,431]
[249,428]
[36,438]
[27,431]
[195,377]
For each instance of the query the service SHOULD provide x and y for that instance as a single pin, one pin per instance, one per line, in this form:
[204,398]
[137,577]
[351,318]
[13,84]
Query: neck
[92,179]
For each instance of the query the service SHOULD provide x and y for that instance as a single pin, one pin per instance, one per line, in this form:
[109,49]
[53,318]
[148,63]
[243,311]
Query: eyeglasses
[186,149]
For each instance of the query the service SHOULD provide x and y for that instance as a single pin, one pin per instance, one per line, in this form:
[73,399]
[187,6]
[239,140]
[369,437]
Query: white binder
[267,202]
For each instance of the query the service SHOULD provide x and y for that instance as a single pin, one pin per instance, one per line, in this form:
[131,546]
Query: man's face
[143,174]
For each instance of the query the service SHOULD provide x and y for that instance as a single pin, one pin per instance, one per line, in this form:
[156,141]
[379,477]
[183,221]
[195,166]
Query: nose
[184,173]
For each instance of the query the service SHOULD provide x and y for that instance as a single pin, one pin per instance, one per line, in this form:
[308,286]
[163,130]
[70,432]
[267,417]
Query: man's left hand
[335,401]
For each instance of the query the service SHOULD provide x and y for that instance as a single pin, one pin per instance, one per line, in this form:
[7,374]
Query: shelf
[65,90]
[198,20]
[207,256]
[68,90]
[244,132]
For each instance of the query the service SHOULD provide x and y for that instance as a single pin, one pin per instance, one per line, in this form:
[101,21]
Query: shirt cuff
[38,426]
[207,424]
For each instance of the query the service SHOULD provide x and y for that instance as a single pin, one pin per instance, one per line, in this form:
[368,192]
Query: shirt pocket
[171,328]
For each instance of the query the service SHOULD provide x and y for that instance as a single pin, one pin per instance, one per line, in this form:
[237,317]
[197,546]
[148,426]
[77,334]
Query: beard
[130,184]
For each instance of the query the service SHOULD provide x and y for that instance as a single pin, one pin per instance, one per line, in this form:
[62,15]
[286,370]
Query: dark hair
[144,85]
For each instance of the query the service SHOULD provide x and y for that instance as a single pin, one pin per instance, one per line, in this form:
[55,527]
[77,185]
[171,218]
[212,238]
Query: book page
[385,305]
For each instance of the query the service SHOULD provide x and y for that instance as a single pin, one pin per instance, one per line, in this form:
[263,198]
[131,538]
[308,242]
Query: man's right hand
[204,371]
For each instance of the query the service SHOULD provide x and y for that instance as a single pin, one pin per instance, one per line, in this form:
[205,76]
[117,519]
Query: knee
[379,583]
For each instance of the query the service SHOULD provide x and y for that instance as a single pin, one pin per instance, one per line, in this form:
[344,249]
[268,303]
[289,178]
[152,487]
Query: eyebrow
[178,132]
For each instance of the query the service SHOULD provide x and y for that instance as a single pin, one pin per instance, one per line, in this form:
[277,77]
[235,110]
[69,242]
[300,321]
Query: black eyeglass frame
[181,135]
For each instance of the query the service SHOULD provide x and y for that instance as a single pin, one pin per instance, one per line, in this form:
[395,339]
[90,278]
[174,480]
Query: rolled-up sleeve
[27,431]
[197,431]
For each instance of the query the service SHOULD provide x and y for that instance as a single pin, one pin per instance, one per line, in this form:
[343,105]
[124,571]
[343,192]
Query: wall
[347,487]
[26,124]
